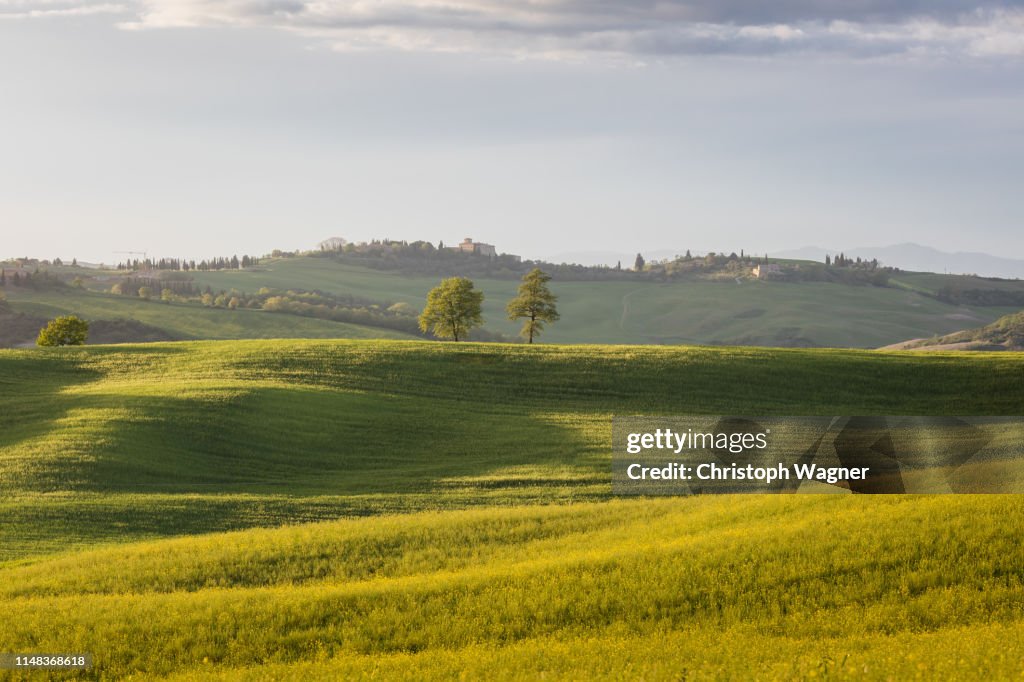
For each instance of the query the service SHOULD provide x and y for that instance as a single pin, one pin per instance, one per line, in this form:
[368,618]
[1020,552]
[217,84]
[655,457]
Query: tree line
[318,304]
[183,265]
[38,279]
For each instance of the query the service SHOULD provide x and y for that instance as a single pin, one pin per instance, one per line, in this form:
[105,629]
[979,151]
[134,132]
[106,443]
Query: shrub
[64,331]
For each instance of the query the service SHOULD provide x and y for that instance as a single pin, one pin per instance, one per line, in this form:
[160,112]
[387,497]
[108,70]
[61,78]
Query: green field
[732,312]
[703,312]
[466,525]
[183,321]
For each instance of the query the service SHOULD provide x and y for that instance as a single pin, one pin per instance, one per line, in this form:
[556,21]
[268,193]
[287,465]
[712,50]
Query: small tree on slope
[64,331]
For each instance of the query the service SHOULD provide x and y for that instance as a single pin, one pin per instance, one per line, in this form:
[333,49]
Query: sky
[196,128]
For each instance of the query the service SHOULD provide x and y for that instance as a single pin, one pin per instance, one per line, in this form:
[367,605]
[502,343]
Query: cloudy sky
[205,127]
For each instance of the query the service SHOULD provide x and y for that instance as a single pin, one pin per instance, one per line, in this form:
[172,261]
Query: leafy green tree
[639,263]
[535,302]
[64,331]
[453,309]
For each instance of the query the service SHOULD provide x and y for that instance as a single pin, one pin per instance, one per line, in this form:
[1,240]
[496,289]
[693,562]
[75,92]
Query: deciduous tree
[535,303]
[453,309]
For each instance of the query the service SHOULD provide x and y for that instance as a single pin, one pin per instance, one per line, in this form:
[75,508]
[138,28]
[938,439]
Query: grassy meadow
[399,509]
[732,312]
[181,321]
[750,312]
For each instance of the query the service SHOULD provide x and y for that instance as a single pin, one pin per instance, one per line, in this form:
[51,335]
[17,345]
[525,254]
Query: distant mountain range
[921,258]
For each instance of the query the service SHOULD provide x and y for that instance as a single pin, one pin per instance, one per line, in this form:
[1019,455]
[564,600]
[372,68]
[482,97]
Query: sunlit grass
[651,587]
[446,511]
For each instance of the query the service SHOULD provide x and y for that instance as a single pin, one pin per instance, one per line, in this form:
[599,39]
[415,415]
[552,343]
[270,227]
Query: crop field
[791,587]
[695,312]
[401,509]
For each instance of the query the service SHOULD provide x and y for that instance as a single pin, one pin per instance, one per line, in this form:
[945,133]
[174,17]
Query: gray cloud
[639,29]
[746,12]
[42,9]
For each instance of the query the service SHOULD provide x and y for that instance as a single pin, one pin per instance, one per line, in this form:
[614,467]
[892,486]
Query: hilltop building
[470,246]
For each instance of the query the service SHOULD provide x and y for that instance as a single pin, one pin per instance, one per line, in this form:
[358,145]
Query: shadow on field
[30,382]
[298,440]
[48,431]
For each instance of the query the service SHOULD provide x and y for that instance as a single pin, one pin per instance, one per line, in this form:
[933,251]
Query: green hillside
[119,443]
[1006,333]
[178,321]
[716,311]
[750,312]
[491,546]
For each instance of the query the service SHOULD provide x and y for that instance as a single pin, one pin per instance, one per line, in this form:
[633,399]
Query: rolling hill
[910,256]
[1006,333]
[205,436]
[466,520]
[706,588]
[736,311]
[750,312]
[122,319]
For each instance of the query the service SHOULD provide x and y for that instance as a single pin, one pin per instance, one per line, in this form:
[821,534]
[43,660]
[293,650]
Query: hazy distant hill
[920,258]
[907,256]
[749,312]
[625,309]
